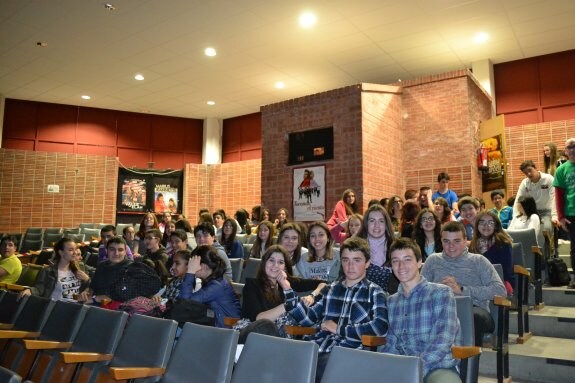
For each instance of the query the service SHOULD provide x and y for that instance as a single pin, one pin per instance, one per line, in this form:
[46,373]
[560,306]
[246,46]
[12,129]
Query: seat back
[30,274]
[251,269]
[237,266]
[527,238]
[34,230]
[64,321]
[239,290]
[265,359]
[77,238]
[517,252]
[147,341]
[90,233]
[11,306]
[71,230]
[351,365]
[8,376]
[53,230]
[212,362]
[34,314]
[247,249]
[469,368]
[85,225]
[31,245]
[50,239]
[100,331]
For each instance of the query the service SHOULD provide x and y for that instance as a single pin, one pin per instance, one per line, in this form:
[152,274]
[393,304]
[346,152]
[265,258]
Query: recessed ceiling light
[480,38]
[42,44]
[139,77]
[85,97]
[209,51]
[307,20]
[211,103]
[280,85]
[110,6]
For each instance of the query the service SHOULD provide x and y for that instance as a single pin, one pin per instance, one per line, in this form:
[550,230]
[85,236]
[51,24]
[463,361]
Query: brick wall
[228,186]
[441,115]
[88,186]
[525,142]
[340,109]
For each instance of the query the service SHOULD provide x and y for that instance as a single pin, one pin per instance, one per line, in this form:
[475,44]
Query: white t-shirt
[66,286]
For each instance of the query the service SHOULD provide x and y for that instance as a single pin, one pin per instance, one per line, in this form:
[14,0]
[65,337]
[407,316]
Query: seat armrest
[373,340]
[464,352]
[6,326]
[121,373]
[501,301]
[229,322]
[84,357]
[536,250]
[13,287]
[14,334]
[300,330]
[32,344]
[517,269]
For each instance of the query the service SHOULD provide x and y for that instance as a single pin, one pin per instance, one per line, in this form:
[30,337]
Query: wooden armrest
[536,250]
[12,287]
[464,352]
[34,252]
[6,326]
[33,344]
[373,340]
[84,357]
[300,330]
[229,322]
[517,269]
[14,334]
[3,285]
[501,301]
[120,373]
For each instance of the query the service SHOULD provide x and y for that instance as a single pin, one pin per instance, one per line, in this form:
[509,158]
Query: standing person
[422,317]
[490,240]
[550,158]
[444,192]
[466,274]
[344,208]
[539,186]
[351,307]
[322,260]
[62,279]
[565,191]
[427,233]
[10,265]
[503,212]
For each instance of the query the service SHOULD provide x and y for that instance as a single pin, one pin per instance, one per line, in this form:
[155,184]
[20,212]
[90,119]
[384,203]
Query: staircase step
[559,296]
[541,359]
[551,321]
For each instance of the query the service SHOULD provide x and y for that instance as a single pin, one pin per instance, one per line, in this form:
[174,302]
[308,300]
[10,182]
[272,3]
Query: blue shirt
[358,310]
[450,196]
[505,215]
[217,293]
[424,323]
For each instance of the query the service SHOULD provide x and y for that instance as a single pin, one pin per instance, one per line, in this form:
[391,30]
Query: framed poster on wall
[309,193]
[494,177]
[142,190]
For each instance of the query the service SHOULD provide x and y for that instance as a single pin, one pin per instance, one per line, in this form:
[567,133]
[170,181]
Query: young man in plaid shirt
[347,309]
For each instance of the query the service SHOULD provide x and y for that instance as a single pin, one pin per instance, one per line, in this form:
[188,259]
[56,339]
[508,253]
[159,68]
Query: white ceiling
[97,52]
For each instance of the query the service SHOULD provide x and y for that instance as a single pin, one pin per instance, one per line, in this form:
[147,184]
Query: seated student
[443,211]
[129,234]
[504,212]
[422,316]
[407,219]
[528,216]
[351,307]
[148,222]
[261,297]
[178,241]
[322,260]
[424,198]
[466,274]
[154,249]
[206,235]
[62,279]
[427,233]
[186,226]
[264,239]
[228,240]
[291,238]
[178,271]
[10,265]
[119,279]
[490,240]
[168,229]
[216,291]
[106,233]
[166,218]
[347,229]
[468,207]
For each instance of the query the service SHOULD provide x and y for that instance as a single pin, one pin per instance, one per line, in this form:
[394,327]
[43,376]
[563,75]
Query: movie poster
[309,194]
[168,192]
[141,191]
[133,193]
[494,178]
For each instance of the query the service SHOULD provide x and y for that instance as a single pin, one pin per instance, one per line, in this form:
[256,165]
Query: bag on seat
[558,273]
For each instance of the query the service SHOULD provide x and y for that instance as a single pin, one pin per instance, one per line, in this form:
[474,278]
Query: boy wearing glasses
[466,274]
[565,197]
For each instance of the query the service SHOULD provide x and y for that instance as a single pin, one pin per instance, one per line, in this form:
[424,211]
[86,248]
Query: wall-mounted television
[310,145]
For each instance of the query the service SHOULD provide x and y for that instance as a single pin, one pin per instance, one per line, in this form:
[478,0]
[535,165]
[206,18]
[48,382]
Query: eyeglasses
[427,219]
[486,223]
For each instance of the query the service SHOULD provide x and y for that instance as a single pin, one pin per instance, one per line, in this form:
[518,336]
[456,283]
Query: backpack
[557,272]
[137,280]
[142,306]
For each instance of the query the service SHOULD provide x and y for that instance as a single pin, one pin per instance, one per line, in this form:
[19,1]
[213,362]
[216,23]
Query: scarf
[378,250]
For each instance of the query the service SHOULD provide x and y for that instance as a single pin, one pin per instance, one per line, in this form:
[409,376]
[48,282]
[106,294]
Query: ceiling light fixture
[210,52]
[139,77]
[211,103]
[42,44]
[307,20]
[110,6]
[480,38]
[280,85]
[85,97]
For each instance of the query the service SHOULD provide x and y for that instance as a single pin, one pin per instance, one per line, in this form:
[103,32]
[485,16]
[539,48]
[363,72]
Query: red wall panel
[242,138]
[134,130]
[193,158]
[10,143]
[194,138]
[96,150]
[251,154]
[96,126]
[168,133]
[56,123]
[168,160]
[133,157]
[54,147]
[231,157]
[20,119]
[521,118]
[557,78]
[516,86]
[559,113]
